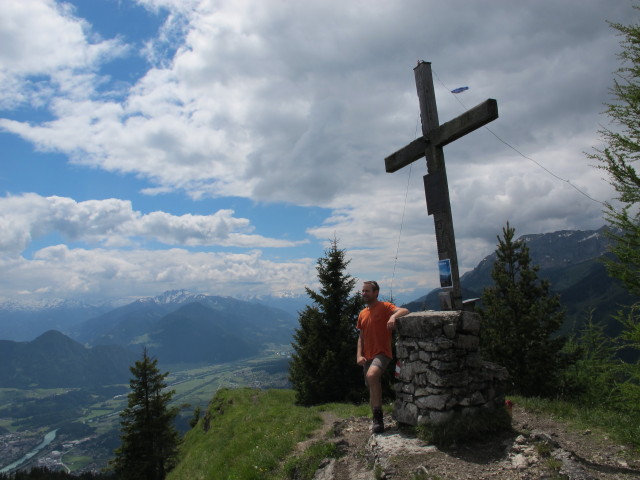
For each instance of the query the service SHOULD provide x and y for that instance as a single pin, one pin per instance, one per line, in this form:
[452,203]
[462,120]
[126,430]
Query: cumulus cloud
[59,271]
[69,62]
[24,218]
[314,89]
[300,102]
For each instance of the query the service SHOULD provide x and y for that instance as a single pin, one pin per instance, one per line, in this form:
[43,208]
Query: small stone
[519,462]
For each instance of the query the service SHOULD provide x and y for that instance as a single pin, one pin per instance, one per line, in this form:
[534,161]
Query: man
[376,322]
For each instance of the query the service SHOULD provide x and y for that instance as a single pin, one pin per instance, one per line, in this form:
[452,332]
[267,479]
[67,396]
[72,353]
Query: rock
[326,472]
[519,462]
[570,467]
[544,437]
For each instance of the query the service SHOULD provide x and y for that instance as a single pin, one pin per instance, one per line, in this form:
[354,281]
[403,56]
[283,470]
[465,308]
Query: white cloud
[113,222]
[62,272]
[322,91]
[299,102]
[46,49]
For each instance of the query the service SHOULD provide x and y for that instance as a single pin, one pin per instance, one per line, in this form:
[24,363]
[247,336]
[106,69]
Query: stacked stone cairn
[441,372]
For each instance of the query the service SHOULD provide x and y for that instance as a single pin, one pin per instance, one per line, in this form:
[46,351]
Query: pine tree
[519,319]
[623,149]
[323,367]
[148,435]
[617,159]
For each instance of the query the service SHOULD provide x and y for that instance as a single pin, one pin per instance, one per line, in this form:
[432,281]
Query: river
[48,438]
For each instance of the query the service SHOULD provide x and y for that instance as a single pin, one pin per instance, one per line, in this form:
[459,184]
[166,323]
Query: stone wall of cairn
[441,371]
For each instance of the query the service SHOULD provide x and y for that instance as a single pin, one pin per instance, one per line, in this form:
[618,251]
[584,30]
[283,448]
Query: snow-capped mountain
[24,321]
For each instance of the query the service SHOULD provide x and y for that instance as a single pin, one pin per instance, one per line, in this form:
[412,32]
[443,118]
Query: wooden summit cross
[436,136]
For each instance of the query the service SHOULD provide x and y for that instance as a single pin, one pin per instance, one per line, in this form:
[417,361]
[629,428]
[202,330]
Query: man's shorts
[380,361]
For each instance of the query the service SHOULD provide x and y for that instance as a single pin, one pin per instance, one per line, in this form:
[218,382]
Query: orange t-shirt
[372,323]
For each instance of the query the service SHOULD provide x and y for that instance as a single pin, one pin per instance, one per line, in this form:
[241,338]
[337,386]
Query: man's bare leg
[374,380]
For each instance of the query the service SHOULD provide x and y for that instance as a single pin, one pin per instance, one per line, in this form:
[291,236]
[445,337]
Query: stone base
[441,372]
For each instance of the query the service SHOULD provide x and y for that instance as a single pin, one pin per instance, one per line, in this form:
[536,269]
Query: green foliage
[245,434]
[593,377]
[621,425]
[148,435]
[520,318]
[252,434]
[424,475]
[617,159]
[464,428]
[193,421]
[323,366]
[630,339]
[344,410]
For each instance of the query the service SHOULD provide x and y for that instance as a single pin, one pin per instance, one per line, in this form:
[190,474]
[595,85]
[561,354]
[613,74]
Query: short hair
[373,284]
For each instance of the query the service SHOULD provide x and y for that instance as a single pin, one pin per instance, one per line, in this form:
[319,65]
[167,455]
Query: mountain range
[179,326]
[175,327]
[53,360]
[25,321]
[571,260]
[100,342]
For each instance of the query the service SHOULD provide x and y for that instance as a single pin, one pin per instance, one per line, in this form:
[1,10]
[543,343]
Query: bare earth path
[539,447]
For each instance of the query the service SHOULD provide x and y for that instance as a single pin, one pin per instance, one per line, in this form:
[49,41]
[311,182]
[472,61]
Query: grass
[622,427]
[345,410]
[304,466]
[554,465]
[250,434]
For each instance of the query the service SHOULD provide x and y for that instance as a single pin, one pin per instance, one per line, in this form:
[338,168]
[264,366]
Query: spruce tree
[519,320]
[323,366]
[149,439]
[617,159]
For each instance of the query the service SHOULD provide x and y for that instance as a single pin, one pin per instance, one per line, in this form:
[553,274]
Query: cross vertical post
[430,145]
[436,178]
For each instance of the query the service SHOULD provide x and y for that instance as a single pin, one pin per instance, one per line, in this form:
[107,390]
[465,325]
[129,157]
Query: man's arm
[397,313]
[360,360]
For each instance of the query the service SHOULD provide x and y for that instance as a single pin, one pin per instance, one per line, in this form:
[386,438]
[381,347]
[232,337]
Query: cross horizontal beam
[446,133]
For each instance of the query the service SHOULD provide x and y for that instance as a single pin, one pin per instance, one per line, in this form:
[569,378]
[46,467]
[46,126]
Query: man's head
[370,290]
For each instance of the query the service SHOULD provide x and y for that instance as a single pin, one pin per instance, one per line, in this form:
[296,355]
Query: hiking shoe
[377,425]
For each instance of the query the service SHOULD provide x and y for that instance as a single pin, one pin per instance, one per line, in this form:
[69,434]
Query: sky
[220,146]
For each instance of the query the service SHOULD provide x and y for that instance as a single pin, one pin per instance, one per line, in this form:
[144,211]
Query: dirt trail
[539,447]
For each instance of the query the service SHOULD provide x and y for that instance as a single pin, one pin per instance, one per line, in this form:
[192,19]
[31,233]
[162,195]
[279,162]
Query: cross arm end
[405,155]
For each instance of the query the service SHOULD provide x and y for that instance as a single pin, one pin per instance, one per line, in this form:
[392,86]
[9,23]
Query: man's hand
[399,312]
[361,360]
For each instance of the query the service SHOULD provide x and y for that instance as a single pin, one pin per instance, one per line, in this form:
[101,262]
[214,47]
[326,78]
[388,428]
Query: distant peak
[53,336]
[177,296]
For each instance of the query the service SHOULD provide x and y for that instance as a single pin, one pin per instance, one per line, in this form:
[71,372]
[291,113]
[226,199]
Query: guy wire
[404,208]
[557,177]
